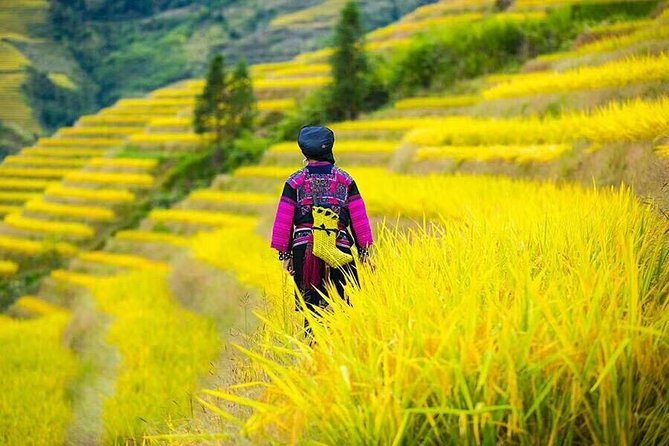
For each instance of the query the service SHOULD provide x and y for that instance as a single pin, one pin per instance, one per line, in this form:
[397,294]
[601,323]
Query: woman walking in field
[320,216]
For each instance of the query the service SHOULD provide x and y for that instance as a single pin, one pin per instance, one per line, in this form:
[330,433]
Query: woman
[311,231]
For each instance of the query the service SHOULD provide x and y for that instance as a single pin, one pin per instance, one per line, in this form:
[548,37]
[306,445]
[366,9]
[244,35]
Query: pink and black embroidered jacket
[320,184]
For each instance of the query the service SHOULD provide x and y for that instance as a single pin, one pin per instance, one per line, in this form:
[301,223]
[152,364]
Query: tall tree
[209,113]
[226,108]
[241,102]
[350,67]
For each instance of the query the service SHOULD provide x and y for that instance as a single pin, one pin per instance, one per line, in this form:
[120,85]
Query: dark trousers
[336,276]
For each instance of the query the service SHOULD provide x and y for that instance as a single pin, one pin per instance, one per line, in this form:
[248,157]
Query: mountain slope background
[65,58]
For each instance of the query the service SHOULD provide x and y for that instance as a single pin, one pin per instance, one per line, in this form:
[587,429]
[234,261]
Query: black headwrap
[316,143]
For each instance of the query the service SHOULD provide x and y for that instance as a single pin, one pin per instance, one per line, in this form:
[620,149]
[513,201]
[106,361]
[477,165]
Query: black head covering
[316,143]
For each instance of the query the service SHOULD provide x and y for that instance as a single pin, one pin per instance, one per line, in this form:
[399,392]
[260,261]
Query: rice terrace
[512,157]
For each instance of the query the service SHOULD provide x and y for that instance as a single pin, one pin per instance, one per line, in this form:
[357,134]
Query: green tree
[350,67]
[241,108]
[209,110]
[225,109]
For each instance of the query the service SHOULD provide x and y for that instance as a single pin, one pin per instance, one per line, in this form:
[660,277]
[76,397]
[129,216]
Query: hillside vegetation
[62,59]
[516,293]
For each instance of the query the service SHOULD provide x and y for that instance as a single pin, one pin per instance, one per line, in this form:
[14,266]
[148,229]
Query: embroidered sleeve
[283,223]
[360,226]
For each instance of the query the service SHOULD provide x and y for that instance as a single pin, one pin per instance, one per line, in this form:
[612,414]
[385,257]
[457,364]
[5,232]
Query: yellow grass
[16,109]
[663,150]
[11,59]
[21,17]
[62,80]
[273,172]
[74,230]
[37,372]
[426,25]
[80,142]
[658,32]
[391,124]
[148,111]
[17,197]
[326,12]
[279,105]
[155,102]
[344,146]
[72,278]
[35,306]
[126,179]
[292,83]
[216,196]
[129,163]
[122,260]
[24,184]
[520,4]
[171,122]
[24,160]
[446,7]
[200,217]
[513,153]
[152,237]
[30,172]
[23,246]
[8,209]
[436,102]
[613,74]
[165,350]
[93,213]
[534,304]
[63,152]
[176,93]
[628,121]
[293,69]
[101,131]
[8,268]
[190,139]
[103,195]
[110,119]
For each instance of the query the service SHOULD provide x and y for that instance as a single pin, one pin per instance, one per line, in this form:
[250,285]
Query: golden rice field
[63,152]
[493,311]
[8,268]
[121,260]
[513,153]
[323,13]
[614,74]
[98,195]
[452,344]
[436,103]
[345,146]
[64,229]
[16,110]
[109,178]
[446,7]
[658,31]
[11,58]
[411,27]
[43,368]
[30,247]
[42,161]
[94,213]
[152,237]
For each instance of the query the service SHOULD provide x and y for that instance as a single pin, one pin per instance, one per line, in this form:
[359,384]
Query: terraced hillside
[514,297]
[61,59]
[17,19]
